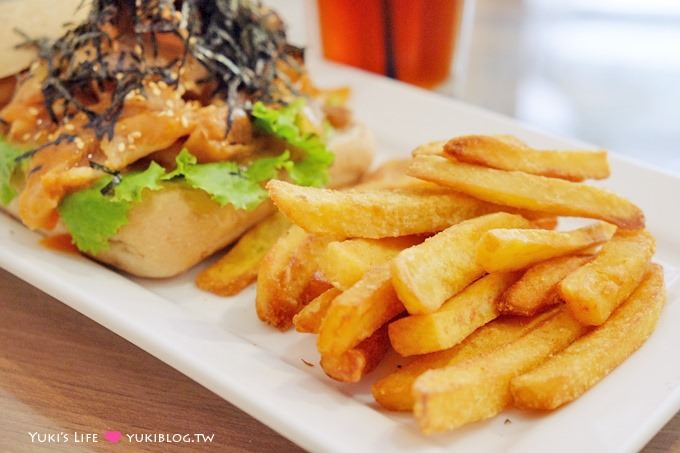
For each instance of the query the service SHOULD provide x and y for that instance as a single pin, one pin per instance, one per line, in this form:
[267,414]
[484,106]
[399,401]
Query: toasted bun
[170,231]
[36,19]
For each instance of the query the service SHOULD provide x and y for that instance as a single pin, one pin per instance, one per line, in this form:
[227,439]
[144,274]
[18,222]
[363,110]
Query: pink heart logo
[113,436]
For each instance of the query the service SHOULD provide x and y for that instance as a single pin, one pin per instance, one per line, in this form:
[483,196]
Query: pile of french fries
[451,259]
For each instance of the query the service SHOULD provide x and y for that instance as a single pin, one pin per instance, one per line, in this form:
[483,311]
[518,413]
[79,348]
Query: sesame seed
[33,111]
[121,147]
[70,127]
[26,136]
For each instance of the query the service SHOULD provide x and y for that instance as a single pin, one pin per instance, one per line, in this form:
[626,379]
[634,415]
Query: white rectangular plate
[222,345]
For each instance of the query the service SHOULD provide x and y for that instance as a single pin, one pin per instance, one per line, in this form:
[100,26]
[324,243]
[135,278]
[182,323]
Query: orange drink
[411,40]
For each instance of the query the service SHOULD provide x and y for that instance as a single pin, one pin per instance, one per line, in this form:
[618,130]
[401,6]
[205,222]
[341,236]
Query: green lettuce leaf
[225,182]
[8,167]
[267,168]
[133,184]
[92,217]
[312,169]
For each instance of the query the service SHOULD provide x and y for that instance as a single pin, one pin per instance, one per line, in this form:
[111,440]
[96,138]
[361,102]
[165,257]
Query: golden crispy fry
[435,148]
[447,398]
[596,289]
[504,250]
[343,263]
[374,214]
[521,190]
[284,275]
[537,288]
[316,286]
[426,275]
[456,319]
[546,222]
[238,267]
[500,153]
[391,175]
[352,365]
[358,312]
[393,392]
[308,320]
[570,373]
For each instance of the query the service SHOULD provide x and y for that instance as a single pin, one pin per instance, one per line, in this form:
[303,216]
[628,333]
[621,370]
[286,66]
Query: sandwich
[147,130]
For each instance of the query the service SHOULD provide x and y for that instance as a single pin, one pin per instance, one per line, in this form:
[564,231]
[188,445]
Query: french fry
[308,319]
[570,373]
[503,154]
[537,288]
[374,214]
[504,250]
[343,263]
[284,274]
[358,312]
[435,148]
[593,291]
[522,190]
[355,363]
[316,285]
[426,275]
[456,319]
[238,267]
[394,391]
[391,175]
[547,222]
[477,389]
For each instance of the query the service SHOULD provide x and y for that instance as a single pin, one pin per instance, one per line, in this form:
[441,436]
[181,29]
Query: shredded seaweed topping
[241,45]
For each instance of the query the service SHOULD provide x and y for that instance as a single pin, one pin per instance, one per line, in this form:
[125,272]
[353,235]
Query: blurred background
[603,71]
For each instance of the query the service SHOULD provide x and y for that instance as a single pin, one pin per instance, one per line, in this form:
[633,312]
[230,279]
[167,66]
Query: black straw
[390,63]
